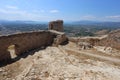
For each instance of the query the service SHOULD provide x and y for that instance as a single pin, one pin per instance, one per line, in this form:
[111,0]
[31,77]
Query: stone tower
[56,25]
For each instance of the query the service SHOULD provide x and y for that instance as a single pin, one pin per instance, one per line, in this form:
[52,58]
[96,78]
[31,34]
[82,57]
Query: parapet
[56,25]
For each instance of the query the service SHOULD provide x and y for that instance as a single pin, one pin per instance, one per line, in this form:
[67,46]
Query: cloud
[11,7]
[16,14]
[42,11]
[113,17]
[8,11]
[38,11]
[54,11]
[88,17]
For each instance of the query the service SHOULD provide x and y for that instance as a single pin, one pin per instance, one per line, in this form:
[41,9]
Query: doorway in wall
[12,51]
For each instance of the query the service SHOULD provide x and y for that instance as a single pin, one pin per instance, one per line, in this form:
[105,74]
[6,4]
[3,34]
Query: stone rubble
[54,64]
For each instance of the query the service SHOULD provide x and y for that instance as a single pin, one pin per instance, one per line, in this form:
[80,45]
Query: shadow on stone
[65,42]
[23,55]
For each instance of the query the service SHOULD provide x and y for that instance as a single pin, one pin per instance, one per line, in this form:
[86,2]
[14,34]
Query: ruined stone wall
[56,25]
[26,41]
[60,38]
[112,40]
[92,41]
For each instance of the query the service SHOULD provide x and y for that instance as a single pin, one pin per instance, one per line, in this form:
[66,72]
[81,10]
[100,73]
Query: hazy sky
[68,10]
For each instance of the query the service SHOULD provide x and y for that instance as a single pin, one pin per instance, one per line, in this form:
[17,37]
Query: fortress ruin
[56,25]
[23,42]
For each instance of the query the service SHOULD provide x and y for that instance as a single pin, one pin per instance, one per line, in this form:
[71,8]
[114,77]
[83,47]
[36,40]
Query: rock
[84,45]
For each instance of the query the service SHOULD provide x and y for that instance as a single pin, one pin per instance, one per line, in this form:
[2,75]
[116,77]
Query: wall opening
[12,51]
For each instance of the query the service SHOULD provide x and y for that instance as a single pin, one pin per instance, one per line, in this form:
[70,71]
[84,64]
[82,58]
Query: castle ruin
[23,42]
[56,25]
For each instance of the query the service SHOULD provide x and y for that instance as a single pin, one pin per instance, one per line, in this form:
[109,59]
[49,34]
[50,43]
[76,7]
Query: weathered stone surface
[84,45]
[61,38]
[56,25]
[55,63]
[24,42]
[112,40]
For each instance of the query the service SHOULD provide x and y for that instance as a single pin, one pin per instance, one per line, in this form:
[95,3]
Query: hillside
[55,63]
[65,62]
[51,55]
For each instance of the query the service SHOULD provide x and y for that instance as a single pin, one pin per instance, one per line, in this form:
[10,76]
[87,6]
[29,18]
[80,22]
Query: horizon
[67,10]
[74,21]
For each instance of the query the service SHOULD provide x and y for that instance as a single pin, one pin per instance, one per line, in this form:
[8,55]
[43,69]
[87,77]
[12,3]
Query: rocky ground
[59,63]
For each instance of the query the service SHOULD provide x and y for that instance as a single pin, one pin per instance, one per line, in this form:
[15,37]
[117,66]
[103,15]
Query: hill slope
[54,63]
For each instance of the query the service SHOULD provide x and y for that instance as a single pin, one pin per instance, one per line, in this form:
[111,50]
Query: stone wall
[56,25]
[60,38]
[112,40]
[24,42]
[91,41]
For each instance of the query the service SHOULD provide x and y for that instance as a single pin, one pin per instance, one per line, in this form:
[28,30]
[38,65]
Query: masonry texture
[24,42]
[112,40]
[56,25]
[27,41]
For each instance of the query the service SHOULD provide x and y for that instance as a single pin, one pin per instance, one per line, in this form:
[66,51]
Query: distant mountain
[10,27]
[21,22]
[97,23]
[86,22]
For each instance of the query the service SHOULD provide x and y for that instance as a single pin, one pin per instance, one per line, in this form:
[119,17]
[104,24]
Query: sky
[68,10]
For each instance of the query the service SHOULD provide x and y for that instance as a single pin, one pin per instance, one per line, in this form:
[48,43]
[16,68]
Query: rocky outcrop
[84,45]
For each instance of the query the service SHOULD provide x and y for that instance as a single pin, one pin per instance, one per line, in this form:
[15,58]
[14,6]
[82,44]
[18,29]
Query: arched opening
[12,51]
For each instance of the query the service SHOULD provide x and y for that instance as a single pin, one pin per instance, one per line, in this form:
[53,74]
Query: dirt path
[113,60]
